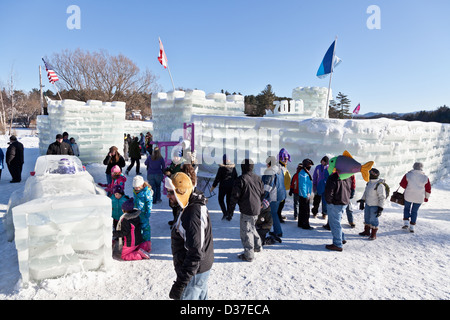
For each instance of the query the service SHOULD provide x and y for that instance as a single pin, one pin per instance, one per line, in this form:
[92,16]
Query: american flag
[52,76]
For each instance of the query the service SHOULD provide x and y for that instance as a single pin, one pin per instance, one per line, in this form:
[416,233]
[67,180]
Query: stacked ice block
[95,125]
[314,100]
[393,145]
[61,221]
[171,109]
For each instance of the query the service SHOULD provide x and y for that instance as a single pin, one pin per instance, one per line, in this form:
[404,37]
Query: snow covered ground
[398,265]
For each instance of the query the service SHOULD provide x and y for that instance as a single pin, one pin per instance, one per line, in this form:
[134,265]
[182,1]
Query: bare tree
[98,75]
[2,114]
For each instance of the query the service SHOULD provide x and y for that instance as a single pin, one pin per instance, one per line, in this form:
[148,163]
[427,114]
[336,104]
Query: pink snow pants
[132,253]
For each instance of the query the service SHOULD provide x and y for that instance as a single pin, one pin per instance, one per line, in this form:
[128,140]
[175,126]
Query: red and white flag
[52,76]
[356,111]
[162,58]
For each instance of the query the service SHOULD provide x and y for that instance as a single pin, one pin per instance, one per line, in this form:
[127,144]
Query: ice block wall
[135,127]
[393,145]
[171,109]
[61,221]
[307,102]
[95,125]
[314,100]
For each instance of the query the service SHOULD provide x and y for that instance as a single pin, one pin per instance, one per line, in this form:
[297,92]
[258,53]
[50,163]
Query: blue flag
[325,66]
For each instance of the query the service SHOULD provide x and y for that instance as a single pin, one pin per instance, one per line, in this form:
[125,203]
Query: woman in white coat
[417,190]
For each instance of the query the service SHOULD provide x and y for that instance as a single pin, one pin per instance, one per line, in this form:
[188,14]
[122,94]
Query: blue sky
[244,45]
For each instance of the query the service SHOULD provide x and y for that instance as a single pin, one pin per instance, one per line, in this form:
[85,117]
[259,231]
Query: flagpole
[57,91]
[331,75]
[168,69]
[40,91]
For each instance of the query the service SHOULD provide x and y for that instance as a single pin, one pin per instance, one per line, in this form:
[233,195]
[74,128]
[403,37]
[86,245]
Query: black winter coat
[338,191]
[192,240]
[110,162]
[129,228]
[135,150]
[226,174]
[14,154]
[248,192]
[60,148]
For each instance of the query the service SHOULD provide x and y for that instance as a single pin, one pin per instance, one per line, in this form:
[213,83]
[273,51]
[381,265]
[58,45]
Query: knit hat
[271,161]
[374,173]
[13,138]
[118,189]
[128,206]
[284,156]
[138,181]
[307,163]
[181,184]
[115,169]
[418,166]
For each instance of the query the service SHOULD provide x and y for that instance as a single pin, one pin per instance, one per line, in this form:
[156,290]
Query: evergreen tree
[265,100]
[343,106]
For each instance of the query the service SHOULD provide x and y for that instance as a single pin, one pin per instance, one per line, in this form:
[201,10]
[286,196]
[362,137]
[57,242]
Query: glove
[426,199]
[290,192]
[361,204]
[176,291]
[380,209]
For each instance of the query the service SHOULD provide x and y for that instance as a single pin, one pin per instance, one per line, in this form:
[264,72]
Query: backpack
[388,189]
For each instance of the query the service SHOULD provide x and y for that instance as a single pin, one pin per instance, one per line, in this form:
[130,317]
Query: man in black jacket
[14,159]
[337,196]
[192,240]
[248,192]
[60,147]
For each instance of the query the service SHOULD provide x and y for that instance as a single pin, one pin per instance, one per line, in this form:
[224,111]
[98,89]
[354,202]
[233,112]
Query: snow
[398,265]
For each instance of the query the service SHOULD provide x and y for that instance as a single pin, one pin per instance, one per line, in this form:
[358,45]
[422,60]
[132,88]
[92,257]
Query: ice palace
[220,127]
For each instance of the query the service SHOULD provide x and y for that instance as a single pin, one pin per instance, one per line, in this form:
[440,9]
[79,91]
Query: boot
[405,224]
[366,231]
[411,227]
[373,236]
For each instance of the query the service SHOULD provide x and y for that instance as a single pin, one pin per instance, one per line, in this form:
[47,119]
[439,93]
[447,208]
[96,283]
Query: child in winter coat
[264,222]
[293,190]
[143,201]
[118,197]
[118,179]
[74,145]
[305,188]
[372,202]
[129,228]
[275,191]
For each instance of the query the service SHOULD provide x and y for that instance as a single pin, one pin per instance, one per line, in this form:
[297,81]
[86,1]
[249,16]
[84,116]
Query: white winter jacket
[374,197]
[417,186]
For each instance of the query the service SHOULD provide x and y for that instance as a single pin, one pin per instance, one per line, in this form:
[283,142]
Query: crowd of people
[260,199]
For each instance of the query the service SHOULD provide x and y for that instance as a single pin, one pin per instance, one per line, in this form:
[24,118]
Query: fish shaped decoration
[347,166]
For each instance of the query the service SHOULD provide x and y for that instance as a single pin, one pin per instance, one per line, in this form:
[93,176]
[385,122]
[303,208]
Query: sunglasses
[170,192]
